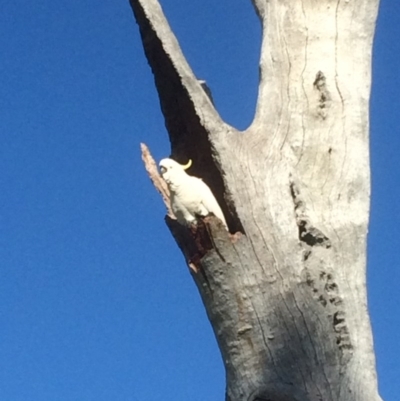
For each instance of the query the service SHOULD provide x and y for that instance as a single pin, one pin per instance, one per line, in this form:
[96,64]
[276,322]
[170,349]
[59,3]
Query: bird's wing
[208,200]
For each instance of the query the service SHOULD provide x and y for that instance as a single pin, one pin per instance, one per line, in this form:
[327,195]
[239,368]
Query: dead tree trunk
[286,297]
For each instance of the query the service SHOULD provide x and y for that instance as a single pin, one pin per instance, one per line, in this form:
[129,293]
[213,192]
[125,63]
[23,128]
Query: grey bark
[285,292]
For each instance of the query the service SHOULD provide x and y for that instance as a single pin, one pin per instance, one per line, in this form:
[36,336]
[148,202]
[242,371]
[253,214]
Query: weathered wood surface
[286,295]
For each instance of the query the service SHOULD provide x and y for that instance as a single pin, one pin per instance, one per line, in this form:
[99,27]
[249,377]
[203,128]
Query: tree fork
[285,291]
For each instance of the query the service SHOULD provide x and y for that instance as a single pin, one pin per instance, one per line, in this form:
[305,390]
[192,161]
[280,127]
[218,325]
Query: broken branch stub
[160,185]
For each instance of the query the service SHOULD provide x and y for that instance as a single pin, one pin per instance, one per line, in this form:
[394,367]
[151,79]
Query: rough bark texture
[286,297]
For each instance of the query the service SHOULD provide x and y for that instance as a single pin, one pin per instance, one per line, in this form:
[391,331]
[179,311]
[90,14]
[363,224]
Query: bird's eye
[163,169]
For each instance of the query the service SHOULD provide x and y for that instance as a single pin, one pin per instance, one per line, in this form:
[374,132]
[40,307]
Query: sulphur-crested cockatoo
[190,197]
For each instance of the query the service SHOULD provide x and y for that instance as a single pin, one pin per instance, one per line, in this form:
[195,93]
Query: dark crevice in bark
[311,235]
[308,234]
[324,97]
[325,291]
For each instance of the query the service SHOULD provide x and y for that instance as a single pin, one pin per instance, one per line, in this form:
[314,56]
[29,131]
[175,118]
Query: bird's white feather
[190,196]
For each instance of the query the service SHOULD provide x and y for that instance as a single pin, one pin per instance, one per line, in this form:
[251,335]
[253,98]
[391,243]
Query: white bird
[190,197]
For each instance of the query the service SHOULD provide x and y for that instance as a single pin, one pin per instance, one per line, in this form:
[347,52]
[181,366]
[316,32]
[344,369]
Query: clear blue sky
[96,303]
